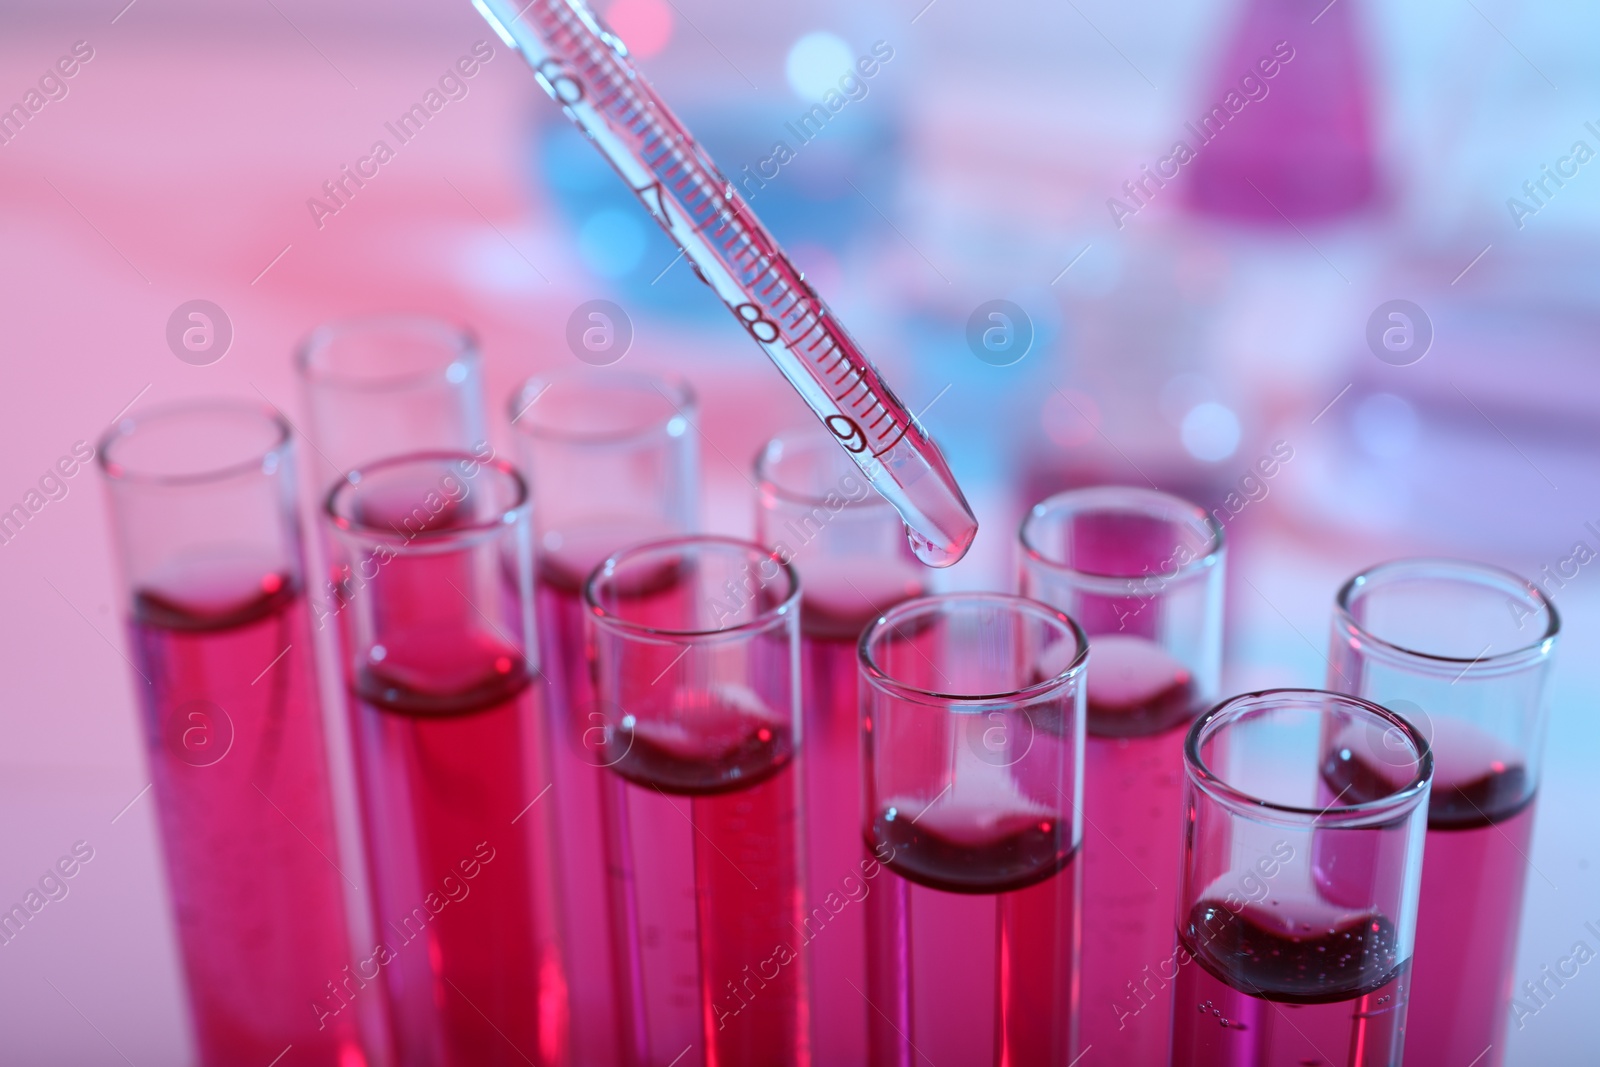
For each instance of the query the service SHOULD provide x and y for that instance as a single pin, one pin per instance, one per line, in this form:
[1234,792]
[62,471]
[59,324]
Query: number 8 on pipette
[586,69]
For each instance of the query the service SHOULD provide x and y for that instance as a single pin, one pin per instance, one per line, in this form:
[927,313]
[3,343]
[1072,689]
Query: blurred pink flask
[1286,133]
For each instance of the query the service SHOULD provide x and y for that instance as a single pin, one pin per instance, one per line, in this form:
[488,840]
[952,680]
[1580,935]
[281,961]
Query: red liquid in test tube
[1142,572]
[613,462]
[1462,650]
[220,636]
[247,821]
[1298,897]
[436,598]
[1480,835]
[1287,988]
[816,509]
[971,806]
[706,839]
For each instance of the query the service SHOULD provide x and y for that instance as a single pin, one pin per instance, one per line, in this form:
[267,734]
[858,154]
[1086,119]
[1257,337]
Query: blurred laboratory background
[1142,243]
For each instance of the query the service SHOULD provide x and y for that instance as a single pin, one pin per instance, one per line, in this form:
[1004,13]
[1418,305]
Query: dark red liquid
[448,756]
[974,945]
[1259,989]
[1136,689]
[1483,801]
[236,753]
[1292,962]
[1140,702]
[1029,854]
[1471,789]
[729,751]
[1480,829]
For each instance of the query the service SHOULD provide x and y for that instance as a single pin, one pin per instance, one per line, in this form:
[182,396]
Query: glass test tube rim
[274,452]
[801,438]
[1445,567]
[450,538]
[969,703]
[1128,499]
[686,404]
[460,342]
[1368,813]
[773,617]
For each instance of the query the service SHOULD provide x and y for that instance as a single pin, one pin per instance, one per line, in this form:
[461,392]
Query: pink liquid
[965,916]
[1471,904]
[579,728]
[836,605]
[471,981]
[731,919]
[447,753]
[1304,149]
[608,1015]
[1139,705]
[1480,826]
[1261,989]
[236,754]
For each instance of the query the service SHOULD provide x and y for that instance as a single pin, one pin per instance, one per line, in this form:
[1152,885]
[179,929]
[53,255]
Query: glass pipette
[586,69]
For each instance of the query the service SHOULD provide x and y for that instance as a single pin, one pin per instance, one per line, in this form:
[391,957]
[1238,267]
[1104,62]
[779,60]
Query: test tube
[696,644]
[1304,815]
[972,751]
[1142,572]
[435,594]
[1463,651]
[203,504]
[815,509]
[613,461]
[386,385]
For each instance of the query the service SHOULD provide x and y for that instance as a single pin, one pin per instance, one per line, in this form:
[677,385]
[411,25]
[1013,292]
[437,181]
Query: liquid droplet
[933,554]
